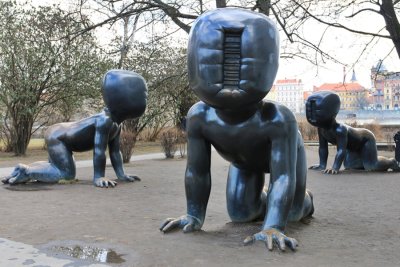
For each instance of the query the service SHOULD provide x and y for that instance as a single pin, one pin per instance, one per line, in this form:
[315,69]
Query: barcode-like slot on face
[232,58]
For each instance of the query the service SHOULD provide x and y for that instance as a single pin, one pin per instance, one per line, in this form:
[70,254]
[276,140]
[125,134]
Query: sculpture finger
[127,178]
[99,183]
[249,240]
[269,243]
[136,178]
[281,243]
[165,222]
[171,225]
[188,228]
[291,243]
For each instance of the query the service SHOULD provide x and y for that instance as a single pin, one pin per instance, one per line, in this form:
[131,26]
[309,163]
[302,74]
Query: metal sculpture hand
[272,237]
[186,222]
[129,178]
[331,171]
[104,182]
[316,167]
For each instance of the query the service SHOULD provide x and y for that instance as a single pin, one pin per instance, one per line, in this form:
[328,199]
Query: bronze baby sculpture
[232,62]
[356,147]
[125,95]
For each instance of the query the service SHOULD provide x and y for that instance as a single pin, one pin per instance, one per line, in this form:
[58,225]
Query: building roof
[306,94]
[288,81]
[340,87]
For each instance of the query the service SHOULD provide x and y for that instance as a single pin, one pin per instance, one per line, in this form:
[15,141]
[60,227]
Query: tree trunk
[22,135]
[392,23]
[220,3]
[264,6]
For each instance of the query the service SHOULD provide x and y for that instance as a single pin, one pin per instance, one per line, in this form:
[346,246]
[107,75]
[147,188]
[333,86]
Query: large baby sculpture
[125,95]
[356,147]
[233,59]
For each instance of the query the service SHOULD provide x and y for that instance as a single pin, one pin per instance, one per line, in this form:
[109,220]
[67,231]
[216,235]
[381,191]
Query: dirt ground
[356,220]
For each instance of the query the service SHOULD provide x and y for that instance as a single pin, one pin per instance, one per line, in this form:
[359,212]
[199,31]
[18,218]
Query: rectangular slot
[232,57]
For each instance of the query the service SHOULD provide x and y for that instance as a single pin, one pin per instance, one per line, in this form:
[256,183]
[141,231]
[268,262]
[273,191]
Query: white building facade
[289,92]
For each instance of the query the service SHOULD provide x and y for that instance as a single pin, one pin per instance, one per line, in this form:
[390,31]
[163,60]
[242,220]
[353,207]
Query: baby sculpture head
[322,108]
[125,94]
[233,57]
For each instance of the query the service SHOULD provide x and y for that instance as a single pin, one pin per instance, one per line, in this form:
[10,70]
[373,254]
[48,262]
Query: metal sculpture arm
[103,126]
[116,160]
[197,185]
[281,193]
[341,139]
[322,151]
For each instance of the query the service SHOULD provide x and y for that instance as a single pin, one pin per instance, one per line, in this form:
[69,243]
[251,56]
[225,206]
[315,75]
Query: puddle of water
[26,187]
[91,253]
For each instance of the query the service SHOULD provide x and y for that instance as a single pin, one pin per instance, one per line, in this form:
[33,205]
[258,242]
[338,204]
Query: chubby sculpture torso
[356,137]
[246,144]
[78,135]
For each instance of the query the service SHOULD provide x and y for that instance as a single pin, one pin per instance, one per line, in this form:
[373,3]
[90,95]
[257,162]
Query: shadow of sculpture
[356,147]
[125,96]
[232,62]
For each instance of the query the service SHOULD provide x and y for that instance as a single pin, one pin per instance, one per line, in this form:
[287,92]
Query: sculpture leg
[244,194]
[373,162]
[60,166]
[302,203]
[353,161]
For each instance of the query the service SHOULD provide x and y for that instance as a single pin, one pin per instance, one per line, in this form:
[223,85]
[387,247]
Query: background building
[288,92]
[385,88]
[353,96]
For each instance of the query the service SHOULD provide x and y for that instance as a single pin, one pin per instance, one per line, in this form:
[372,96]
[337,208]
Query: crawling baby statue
[125,95]
[356,147]
[232,63]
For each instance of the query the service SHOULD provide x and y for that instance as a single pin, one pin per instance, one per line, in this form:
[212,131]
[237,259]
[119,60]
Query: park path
[89,163]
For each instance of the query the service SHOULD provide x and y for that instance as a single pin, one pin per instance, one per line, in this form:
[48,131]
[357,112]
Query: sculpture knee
[243,210]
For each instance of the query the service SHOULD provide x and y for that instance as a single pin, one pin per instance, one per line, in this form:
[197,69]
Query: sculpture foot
[18,176]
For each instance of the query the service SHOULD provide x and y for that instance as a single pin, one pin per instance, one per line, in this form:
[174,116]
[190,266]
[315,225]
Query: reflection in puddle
[91,253]
[27,187]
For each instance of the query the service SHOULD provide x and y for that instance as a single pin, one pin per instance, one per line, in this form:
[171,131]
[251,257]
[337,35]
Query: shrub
[182,140]
[376,129]
[308,131]
[127,141]
[169,141]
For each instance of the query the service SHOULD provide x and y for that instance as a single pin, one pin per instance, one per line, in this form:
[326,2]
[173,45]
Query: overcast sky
[343,45]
